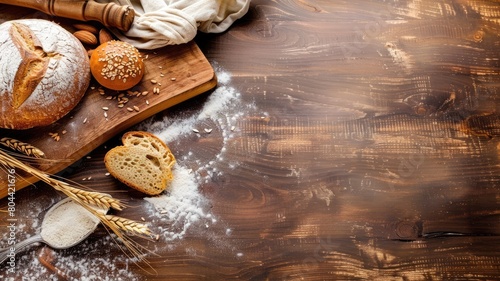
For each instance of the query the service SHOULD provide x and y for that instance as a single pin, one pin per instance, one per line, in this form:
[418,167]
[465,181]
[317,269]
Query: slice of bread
[150,141]
[143,162]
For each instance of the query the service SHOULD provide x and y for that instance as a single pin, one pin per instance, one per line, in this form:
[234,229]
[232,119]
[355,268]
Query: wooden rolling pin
[109,14]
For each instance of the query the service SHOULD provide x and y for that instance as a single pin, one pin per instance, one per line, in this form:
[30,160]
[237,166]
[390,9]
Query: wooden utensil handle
[109,14]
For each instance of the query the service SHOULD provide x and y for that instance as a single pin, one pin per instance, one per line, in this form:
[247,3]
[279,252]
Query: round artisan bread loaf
[44,73]
[117,65]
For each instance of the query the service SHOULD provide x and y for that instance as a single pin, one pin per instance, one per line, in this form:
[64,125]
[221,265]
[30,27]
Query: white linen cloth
[170,22]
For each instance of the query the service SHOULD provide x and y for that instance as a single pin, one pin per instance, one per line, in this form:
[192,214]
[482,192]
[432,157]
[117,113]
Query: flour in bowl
[67,224]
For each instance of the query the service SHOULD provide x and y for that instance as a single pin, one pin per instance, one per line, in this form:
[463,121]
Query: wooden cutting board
[181,72]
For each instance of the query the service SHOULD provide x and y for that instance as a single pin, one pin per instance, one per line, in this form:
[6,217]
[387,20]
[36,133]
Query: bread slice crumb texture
[144,162]
[138,168]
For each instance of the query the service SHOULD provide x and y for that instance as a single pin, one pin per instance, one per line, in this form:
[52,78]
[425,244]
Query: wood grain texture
[367,148]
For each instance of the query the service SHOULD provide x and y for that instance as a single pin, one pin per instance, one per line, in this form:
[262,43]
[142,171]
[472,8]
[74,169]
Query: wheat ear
[25,148]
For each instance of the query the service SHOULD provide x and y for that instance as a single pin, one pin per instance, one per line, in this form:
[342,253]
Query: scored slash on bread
[143,162]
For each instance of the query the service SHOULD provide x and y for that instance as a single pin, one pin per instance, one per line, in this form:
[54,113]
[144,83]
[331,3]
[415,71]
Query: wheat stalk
[129,226]
[88,197]
[120,226]
[22,147]
[98,199]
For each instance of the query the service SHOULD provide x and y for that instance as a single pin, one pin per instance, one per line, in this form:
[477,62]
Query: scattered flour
[399,56]
[184,206]
[181,207]
[85,265]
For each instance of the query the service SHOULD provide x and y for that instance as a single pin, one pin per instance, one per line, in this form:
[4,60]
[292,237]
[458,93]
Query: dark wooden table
[360,142]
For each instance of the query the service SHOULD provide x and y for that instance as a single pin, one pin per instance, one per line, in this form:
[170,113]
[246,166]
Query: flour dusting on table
[183,206]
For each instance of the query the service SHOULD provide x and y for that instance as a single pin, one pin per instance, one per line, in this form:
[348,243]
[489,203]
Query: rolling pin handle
[111,14]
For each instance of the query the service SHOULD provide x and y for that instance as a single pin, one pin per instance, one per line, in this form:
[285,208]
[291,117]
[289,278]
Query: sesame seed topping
[120,66]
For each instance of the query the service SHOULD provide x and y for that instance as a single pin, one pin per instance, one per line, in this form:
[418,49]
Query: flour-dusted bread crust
[143,162]
[44,73]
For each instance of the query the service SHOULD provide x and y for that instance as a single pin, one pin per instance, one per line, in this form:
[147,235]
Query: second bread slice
[144,162]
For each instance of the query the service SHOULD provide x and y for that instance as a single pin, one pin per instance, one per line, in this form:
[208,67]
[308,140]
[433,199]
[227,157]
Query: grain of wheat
[130,226]
[22,147]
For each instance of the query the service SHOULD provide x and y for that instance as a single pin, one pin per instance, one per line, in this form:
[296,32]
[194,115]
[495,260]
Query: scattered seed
[147,102]
[120,105]
[107,174]
[55,136]
[105,114]
[144,93]
[208,131]
[153,81]
[130,109]
[142,218]
[173,79]
[136,108]
[64,132]
[232,128]
[195,130]
[84,120]
[105,108]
